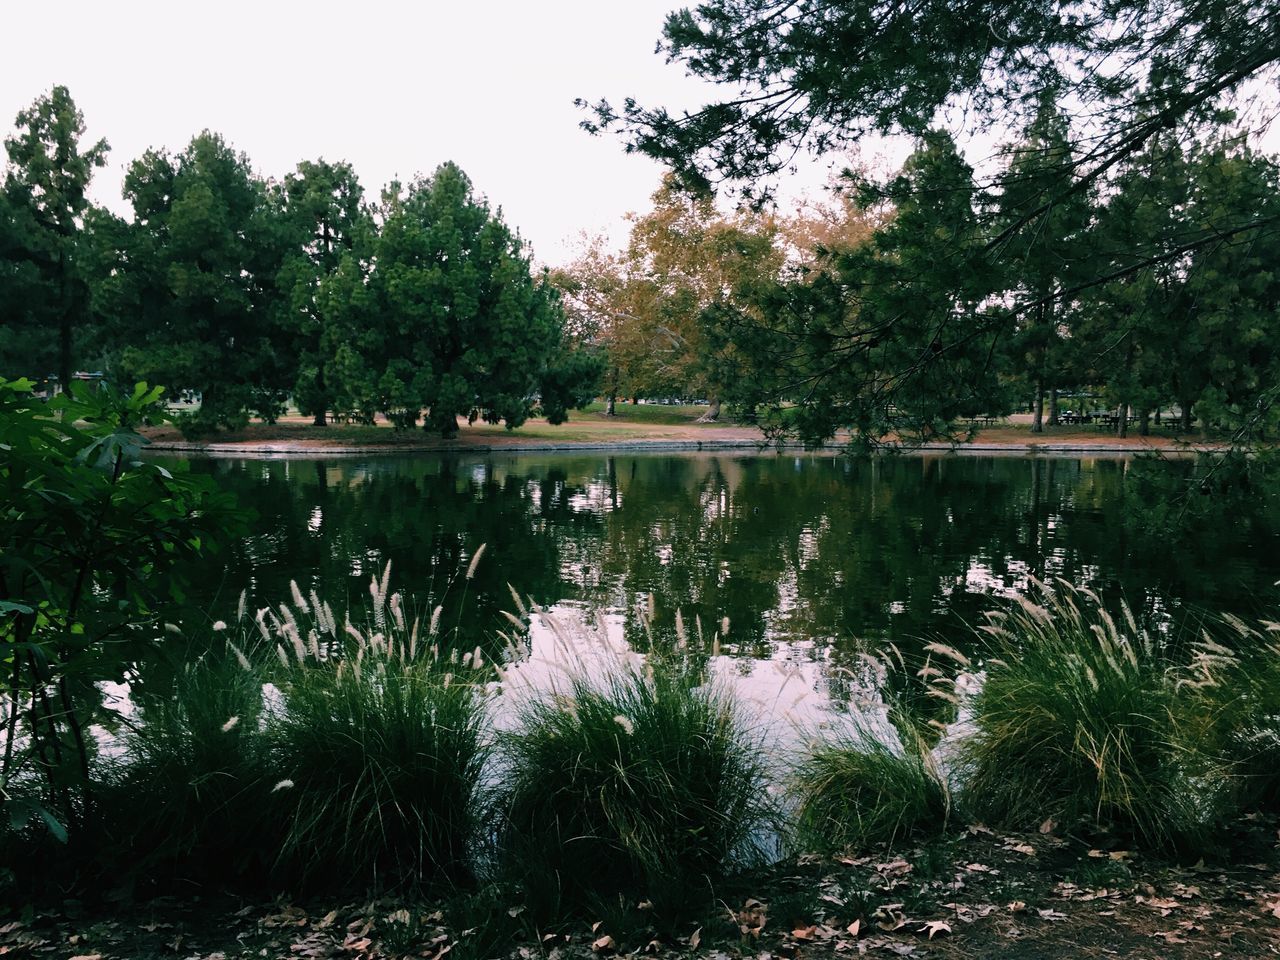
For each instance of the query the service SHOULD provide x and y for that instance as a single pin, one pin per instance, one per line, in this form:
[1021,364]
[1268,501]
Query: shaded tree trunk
[1185,415]
[1144,425]
[610,405]
[1053,407]
[713,412]
[1037,417]
[65,320]
[321,416]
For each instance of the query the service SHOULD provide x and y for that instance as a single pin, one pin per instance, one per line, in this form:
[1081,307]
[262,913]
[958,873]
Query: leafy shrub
[94,541]
[641,783]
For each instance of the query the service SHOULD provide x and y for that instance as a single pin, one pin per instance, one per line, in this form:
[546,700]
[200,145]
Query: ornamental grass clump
[860,787]
[1233,685]
[642,782]
[191,772]
[378,744]
[1075,722]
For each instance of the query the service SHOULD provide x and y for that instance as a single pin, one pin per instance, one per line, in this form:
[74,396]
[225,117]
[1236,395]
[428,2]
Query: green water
[810,557]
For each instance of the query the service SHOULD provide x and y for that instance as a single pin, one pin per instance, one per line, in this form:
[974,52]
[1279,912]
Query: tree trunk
[1185,415]
[1122,423]
[321,418]
[1144,424]
[1053,407]
[1037,418]
[64,325]
[713,412]
[610,405]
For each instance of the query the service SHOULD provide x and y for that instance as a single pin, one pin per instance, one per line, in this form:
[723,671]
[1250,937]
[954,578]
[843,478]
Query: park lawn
[633,423]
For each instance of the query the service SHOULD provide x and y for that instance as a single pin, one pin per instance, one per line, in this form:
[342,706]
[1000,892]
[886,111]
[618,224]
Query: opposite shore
[647,428]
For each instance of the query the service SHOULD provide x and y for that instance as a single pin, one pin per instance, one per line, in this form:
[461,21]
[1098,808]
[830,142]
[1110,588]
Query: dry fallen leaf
[602,944]
[804,933]
[854,927]
[695,938]
[936,926]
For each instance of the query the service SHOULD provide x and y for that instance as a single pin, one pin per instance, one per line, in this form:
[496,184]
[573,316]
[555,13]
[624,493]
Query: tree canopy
[1086,90]
[44,296]
[442,314]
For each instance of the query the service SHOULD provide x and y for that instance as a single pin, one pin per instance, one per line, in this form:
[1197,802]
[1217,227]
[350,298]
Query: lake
[812,558]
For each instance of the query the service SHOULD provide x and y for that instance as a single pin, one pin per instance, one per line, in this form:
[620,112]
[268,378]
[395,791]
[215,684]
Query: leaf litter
[979,895]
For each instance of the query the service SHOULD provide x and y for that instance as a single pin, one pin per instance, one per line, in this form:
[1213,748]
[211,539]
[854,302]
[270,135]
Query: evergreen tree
[45,297]
[442,314]
[893,336]
[197,305]
[324,210]
[1041,262]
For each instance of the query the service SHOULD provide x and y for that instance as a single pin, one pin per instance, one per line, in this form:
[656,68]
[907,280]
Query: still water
[812,558]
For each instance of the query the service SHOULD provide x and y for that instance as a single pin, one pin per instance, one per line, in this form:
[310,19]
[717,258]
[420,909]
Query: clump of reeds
[378,743]
[635,779]
[1076,722]
[192,773]
[1233,687]
[866,783]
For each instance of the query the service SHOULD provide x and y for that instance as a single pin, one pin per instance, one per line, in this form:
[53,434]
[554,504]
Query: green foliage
[1077,721]
[642,784]
[857,790]
[323,207]
[819,75]
[1104,253]
[93,542]
[1042,262]
[890,337]
[192,294]
[442,314]
[44,285]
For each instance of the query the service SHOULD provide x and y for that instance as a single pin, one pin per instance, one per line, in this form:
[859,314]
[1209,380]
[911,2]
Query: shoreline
[312,449]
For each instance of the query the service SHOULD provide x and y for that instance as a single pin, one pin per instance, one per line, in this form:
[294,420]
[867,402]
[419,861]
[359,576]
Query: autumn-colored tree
[649,302]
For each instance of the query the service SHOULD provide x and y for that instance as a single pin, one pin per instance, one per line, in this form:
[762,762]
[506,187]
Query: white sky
[394,88]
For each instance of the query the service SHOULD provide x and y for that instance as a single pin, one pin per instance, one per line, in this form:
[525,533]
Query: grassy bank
[632,423]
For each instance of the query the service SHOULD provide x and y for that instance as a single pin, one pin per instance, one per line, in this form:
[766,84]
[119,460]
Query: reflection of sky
[782,696]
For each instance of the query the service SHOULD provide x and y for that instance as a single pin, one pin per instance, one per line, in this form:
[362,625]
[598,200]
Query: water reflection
[814,559]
